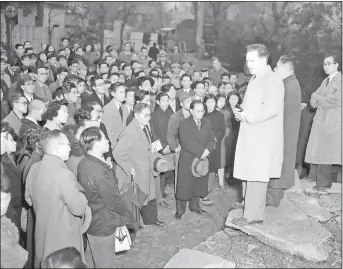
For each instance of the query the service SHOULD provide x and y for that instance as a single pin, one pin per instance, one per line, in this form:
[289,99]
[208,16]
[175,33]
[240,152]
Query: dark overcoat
[218,126]
[159,125]
[193,143]
[291,124]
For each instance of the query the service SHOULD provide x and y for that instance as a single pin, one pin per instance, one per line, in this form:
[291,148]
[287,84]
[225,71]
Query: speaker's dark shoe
[178,216]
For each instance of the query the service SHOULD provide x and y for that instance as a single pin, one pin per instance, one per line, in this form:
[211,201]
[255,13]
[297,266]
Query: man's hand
[240,116]
[205,154]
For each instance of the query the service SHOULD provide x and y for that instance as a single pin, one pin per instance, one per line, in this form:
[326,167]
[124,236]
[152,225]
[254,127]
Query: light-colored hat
[200,167]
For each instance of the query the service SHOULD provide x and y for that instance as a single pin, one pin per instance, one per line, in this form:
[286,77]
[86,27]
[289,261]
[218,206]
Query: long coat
[59,204]
[291,124]
[259,150]
[133,150]
[218,126]
[324,145]
[193,144]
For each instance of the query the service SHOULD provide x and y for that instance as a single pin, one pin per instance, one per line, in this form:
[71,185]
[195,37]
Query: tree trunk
[122,27]
[40,13]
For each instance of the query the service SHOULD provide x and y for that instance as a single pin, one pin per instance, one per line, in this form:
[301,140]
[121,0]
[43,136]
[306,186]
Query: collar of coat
[94,159]
[55,159]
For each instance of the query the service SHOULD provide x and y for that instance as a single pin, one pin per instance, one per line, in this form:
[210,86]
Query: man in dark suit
[27,88]
[186,81]
[19,105]
[36,110]
[197,140]
[12,69]
[41,89]
[125,55]
[98,95]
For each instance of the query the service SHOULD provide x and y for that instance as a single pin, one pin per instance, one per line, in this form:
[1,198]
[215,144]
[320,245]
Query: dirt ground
[155,246]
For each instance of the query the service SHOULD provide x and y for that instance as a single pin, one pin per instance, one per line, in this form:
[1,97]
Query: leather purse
[122,241]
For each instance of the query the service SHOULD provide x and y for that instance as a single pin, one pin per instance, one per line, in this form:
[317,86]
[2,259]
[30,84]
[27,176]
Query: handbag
[131,193]
[122,241]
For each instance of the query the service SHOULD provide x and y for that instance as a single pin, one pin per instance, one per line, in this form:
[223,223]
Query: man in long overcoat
[197,140]
[324,145]
[57,199]
[291,123]
[259,151]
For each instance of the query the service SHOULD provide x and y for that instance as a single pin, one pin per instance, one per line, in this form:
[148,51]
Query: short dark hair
[196,83]
[57,93]
[61,70]
[73,61]
[108,55]
[149,63]
[220,95]
[334,56]
[14,61]
[94,79]
[131,89]
[69,256]
[144,48]
[208,97]
[18,45]
[51,111]
[138,108]
[288,58]
[114,87]
[186,75]
[27,41]
[140,95]
[84,112]
[92,47]
[25,56]
[100,62]
[27,49]
[40,66]
[194,102]
[235,94]
[167,87]
[225,74]
[160,95]
[51,55]
[260,48]
[64,38]
[89,136]
[15,98]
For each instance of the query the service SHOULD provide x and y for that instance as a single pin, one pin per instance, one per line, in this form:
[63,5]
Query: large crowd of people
[90,142]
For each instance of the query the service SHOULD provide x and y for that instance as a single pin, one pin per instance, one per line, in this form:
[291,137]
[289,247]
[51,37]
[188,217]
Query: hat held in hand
[200,167]
[159,165]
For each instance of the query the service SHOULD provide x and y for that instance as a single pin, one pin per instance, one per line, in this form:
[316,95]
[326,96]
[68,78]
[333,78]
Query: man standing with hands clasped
[259,151]
[197,141]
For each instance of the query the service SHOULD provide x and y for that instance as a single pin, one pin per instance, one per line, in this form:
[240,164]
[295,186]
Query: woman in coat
[218,127]
[133,155]
[109,211]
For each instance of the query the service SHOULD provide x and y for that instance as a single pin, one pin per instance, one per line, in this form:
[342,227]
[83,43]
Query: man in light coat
[324,145]
[57,199]
[259,151]
[291,124]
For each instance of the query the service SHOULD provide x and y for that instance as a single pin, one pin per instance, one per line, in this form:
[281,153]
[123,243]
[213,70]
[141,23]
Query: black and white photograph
[159,134]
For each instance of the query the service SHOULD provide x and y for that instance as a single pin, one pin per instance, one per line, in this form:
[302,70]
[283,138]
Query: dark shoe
[141,227]
[316,188]
[164,195]
[178,216]
[206,201]
[243,221]
[201,211]
[237,205]
[160,223]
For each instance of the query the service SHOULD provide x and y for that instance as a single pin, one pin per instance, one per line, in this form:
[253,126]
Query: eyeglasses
[328,64]
[44,74]
[200,111]
[100,84]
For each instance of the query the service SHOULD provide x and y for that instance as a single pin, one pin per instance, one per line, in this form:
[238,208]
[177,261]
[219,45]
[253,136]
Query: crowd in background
[78,129]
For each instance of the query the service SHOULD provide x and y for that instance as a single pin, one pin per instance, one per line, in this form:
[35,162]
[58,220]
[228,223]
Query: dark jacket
[27,124]
[193,143]
[101,190]
[12,77]
[159,125]
[94,98]
[173,131]
[218,126]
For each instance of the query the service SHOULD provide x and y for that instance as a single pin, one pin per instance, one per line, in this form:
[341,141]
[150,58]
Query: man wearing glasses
[324,145]
[197,140]
[98,95]
[19,105]
[41,89]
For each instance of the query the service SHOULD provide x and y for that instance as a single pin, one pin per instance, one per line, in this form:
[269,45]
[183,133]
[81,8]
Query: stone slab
[290,230]
[332,203]
[309,206]
[189,258]
[308,187]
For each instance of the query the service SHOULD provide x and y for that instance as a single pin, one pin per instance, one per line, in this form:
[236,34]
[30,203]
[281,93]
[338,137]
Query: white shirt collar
[31,119]
[28,97]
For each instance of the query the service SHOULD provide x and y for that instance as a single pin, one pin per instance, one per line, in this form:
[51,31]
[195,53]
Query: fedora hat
[200,167]
[159,165]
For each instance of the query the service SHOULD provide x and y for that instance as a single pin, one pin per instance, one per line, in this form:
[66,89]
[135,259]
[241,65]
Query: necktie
[146,133]
[327,81]
[102,100]
[121,112]
[199,124]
